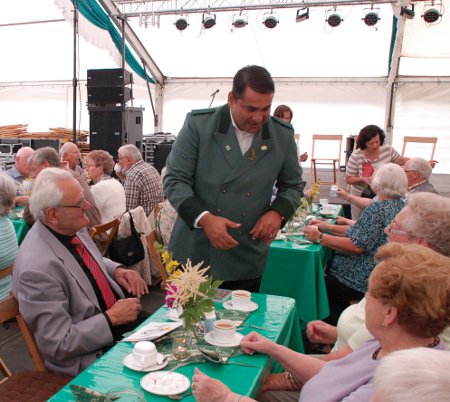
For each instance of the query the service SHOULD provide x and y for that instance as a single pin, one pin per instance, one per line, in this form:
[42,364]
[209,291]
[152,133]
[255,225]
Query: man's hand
[124,311]
[22,199]
[267,227]
[216,230]
[303,157]
[254,342]
[321,332]
[131,281]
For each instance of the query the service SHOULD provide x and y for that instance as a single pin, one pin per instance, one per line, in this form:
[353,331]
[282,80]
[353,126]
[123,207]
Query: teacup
[241,298]
[323,202]
[224,331]
[144,354]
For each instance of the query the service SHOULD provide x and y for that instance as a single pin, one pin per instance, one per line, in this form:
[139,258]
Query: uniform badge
[252,155]
[227,147]
[264,148]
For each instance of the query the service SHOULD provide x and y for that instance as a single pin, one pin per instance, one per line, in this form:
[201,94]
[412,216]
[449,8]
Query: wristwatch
[319,240]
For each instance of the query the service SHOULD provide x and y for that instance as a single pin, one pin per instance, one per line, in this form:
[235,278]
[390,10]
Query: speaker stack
[112,123]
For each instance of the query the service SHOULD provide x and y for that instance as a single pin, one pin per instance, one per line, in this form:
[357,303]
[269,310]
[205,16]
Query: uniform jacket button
[248,194]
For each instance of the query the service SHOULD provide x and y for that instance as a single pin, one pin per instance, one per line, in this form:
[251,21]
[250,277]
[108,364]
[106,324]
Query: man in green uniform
[219,178]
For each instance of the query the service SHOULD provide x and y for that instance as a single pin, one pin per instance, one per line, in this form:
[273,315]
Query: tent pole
[75,81]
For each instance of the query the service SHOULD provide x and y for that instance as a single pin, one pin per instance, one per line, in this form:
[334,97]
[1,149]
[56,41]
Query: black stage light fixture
[371,18]
[302,14]
[239,21]
[407,13]
[209,20]
[181,23]
[334,20]
[270,21]
[431,15]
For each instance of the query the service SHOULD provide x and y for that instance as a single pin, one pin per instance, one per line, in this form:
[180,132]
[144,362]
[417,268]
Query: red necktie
[97,273]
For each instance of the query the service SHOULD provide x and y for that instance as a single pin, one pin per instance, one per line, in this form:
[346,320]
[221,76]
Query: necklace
[433,344]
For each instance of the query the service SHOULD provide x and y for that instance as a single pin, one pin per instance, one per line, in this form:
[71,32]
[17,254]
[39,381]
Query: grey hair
[428,218]
[46,154]
[390,181]
[419,165]
[413,375]
[7,194]
[130,151]
[46,191]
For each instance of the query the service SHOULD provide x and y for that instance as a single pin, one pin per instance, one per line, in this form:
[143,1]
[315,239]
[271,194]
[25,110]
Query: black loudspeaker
[109,77]
[108,95]
[111,127]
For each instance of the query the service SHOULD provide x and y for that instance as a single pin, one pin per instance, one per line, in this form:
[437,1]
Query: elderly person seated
[108,193]
[69,295]
[8,239]
[70,156]
[407,307]
[418,171]
[355,245]
[20,172]
[426,221]
[413,375]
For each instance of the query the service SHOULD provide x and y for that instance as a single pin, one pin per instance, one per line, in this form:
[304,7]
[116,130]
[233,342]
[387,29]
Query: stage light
[334,20]
[209,20]
[270,21]
[371,18]
[407,13]
[432,11]
[302,14]
[239,21]
[181,23]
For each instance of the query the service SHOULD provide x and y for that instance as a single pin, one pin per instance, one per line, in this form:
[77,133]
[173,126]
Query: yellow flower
[174,275]
[171,266]
[165,256]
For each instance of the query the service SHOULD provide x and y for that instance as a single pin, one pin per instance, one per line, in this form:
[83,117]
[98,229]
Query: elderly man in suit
[70,295]
[219,178]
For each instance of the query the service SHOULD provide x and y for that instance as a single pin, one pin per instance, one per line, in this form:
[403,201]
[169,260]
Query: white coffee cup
[241,298]
[144,354]
[333,191]
[117,168]
[224,331]
[323,202]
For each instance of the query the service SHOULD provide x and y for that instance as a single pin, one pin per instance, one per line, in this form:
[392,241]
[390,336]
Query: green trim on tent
[97,16]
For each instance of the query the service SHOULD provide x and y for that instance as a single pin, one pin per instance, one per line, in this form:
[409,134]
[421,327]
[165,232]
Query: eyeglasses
[84,203]
[407,171]
[390,230]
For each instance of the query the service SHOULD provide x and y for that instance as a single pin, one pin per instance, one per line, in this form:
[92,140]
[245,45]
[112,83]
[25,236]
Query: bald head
[22,156]
[70,153]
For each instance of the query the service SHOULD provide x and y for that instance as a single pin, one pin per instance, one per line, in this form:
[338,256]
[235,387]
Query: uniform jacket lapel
[226,138]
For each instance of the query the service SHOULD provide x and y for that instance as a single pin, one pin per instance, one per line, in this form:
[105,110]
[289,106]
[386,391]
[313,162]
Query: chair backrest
[297,139]
[9,308]
[421,140]
[151,239]
[6,271]
[112,226]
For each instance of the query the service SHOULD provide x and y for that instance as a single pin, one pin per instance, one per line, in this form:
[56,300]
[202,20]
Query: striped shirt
[355,163]
[143,187]
[8,252]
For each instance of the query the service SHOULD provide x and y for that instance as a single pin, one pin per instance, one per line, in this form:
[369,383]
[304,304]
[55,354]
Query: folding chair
[102,230]
[151,239]
[421,140]
[333,161]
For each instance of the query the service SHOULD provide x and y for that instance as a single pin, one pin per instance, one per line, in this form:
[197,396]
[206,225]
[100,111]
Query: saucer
[252,306]
[180,383]
[236,341]
[128,362]
[172,315]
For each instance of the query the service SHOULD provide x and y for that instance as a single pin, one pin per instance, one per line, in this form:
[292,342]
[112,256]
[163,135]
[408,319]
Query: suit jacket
[58,302]
[206,171]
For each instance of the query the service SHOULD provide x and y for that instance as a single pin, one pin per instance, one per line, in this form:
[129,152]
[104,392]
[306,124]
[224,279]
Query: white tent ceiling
[335,80]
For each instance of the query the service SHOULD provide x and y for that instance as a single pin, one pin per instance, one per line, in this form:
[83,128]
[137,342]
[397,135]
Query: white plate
[128,362]
[252,306]
[236,341]
[172,315]
[149,384]
[280,236]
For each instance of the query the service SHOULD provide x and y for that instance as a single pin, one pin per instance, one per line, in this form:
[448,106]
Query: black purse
[129,250]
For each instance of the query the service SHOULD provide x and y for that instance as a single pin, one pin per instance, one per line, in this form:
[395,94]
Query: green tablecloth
[276,314]
[296,271]
[20,226]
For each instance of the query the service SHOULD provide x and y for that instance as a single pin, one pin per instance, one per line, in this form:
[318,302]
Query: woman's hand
[342,194]
[254,342]
[345,221]
[277,382]
[207,389]
[312,233]
[321,332]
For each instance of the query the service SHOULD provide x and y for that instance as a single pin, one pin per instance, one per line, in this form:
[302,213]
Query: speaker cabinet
[108,95]
[112,127]
[109,77]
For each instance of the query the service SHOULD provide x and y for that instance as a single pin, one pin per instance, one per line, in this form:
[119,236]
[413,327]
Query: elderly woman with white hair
[8,239]
[356,245]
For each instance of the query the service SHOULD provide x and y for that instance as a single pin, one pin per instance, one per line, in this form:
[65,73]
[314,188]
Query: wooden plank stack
[57,133]
[13,131]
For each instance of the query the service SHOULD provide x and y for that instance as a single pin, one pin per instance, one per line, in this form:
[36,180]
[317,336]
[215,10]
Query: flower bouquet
[308,197]
[191,290]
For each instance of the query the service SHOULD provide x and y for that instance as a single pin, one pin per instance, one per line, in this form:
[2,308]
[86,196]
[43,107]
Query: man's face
[287,117]
[35,169]
[69,218]
[251,110]
[72,157]
[395,230]
[412,176]
[125,162]
[22,165]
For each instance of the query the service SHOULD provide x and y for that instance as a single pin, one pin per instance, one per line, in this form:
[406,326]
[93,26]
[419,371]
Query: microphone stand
[212,100]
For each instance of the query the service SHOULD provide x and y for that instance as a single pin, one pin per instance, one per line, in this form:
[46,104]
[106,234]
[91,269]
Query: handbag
[129,250]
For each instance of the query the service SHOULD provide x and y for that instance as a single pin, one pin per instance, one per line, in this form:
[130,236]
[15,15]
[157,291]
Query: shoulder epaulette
[202,111]
[282,122]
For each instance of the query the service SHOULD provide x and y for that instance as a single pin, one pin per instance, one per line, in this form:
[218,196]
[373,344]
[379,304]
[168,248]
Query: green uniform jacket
[207,172]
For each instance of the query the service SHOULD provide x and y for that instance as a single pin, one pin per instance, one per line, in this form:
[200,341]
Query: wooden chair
[421,140]
[297,139]
[102,230]
[151,239]
[333,162]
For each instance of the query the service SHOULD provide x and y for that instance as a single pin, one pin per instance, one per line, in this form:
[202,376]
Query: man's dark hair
[367,133]
[255,77]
